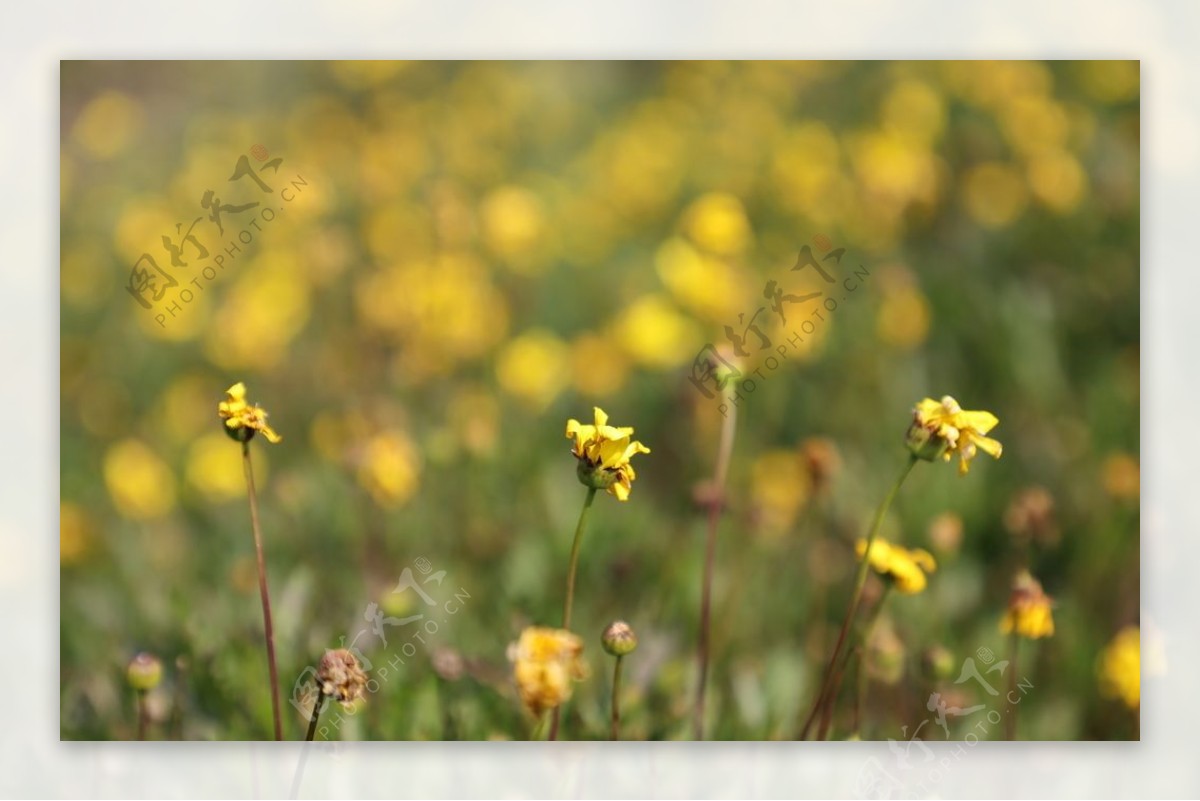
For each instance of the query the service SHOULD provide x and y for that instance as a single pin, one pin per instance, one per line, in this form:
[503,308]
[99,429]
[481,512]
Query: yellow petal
[601,417]
[989,446]
[237,392]
[924,559]
[981,422]
[620,490]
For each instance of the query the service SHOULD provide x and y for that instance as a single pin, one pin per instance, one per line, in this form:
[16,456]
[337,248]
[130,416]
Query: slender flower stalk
[615,733]
[620,641]
[603,455]
[569,601]
[1030,614]
[860,652]
[860,579]
[242,421]
[715,506]
[939,430]
[142,715]
[1010,720]
[264,594]
[316,715]
[143,674]
[573,565]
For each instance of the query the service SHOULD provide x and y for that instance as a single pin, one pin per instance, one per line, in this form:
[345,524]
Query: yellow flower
[1121,667]
[242,419]
[604,452]
[942,428]
[546,662]
[1029,609]
[905,568]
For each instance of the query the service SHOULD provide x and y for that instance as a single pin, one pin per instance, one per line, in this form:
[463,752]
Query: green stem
[864,639]
[579,527]
[724,455]
[1010,719]
[535,733]
[316,713]
[860,579]
[570,599]
[141,714]
[268,630]
[616,702]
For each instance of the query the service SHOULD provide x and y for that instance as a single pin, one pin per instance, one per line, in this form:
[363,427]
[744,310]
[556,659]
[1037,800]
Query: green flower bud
[925,443]
[618,639]
[144,672]
[594,476]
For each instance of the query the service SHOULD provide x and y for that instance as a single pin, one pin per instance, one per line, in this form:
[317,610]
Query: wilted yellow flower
[546,662]
[242,419]
[944,429]
[604,452]
[905,568]
[1120,667]
[1029,609]
[341,677]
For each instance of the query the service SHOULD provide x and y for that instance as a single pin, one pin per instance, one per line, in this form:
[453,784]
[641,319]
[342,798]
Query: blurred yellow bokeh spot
[1110,81]
[261,314]
[214,466]
[474,415]
[654,333]
[513,225]
[534,367]
[903,318]
[107,124]
[1122,477]
[705,284]
[915,112]
[717,223]
[140,483]
[188,407]
[599,368]
[995,194]
[779,487]
[74,533]
[389,468]
[1057,180]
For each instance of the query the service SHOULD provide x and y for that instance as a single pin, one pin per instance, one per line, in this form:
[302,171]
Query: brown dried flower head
[340,677]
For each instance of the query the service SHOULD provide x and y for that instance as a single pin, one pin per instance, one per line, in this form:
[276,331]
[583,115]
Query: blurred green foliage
[477,252]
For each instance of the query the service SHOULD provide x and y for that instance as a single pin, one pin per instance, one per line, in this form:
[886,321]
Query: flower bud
[594,475]
[924,443]
[144,672]
[618,639]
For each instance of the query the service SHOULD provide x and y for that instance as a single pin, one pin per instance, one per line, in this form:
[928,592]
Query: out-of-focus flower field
[474,253]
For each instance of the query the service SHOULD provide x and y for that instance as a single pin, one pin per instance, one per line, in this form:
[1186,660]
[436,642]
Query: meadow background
[480,251]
